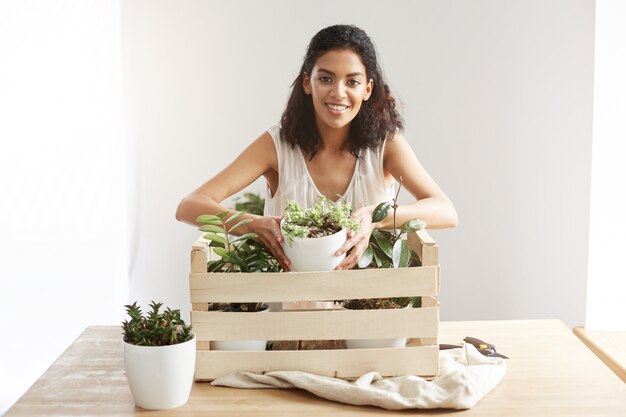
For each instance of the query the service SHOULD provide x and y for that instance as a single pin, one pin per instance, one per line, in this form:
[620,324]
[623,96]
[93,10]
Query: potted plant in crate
[159,357]
[236,254]
[386,249]
[315,234]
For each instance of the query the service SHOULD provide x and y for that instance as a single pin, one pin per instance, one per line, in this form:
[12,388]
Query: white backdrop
[65,178]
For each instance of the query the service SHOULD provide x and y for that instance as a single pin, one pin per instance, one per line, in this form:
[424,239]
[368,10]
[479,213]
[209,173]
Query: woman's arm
[257,159]
[432,205]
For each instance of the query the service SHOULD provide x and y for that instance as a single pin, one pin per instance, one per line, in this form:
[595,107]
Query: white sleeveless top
[366,188]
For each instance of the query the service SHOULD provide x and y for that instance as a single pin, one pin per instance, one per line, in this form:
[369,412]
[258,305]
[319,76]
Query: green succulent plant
[323,219]
[155,328]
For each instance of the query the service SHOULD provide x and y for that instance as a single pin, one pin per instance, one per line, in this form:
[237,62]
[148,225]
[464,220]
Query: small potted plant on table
[159,357]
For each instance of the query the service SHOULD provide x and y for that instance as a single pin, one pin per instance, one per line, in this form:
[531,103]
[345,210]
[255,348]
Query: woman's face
[338,86]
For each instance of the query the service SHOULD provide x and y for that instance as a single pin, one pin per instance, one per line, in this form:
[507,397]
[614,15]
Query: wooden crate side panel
[425,247]
[425,238]
[317,325]
[430,255]
[198,260]
[347,364]
[313,286]
[427,302]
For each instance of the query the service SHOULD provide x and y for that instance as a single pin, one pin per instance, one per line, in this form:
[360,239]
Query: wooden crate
[419,325]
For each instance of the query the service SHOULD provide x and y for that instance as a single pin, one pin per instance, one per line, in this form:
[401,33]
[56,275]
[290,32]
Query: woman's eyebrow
[352,74]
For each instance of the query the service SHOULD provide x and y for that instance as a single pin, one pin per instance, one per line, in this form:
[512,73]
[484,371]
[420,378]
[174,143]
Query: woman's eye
[353,83]
[325,79]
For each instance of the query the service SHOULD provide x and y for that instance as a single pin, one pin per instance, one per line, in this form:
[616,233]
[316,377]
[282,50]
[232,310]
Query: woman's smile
[337,109]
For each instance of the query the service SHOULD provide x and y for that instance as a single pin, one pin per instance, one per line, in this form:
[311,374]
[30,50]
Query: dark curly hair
[377,117]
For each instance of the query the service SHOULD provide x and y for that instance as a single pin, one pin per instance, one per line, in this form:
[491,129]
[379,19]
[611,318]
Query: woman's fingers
[349,243]
[269,235]
[353,257]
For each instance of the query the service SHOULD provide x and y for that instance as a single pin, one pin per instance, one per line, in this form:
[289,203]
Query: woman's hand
[357,241]
[267,229]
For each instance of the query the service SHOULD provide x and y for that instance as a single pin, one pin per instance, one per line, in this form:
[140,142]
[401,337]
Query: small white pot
[249,345]
[160,377]
[376,343]
[314,254]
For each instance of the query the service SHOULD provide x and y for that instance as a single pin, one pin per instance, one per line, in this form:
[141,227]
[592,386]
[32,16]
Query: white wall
[64,247]
[497,98]
[606,288]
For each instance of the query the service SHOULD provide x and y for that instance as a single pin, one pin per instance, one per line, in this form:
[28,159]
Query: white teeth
[337,108]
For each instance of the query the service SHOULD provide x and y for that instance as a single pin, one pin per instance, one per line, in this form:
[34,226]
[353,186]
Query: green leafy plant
[323,219]
[388,249]
[237,253]
[252,203]
[154,328]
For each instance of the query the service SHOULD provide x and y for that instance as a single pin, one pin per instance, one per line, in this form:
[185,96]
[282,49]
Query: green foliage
[388,249]
[381,211]
[323,219]
[155,329]
[237,253]
[240,307]
[380,303]
[252,203]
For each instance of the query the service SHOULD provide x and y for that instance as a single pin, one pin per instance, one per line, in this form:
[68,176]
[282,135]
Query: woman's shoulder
[395,144]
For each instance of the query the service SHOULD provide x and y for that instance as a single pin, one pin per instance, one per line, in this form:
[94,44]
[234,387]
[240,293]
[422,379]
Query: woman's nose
[338,91]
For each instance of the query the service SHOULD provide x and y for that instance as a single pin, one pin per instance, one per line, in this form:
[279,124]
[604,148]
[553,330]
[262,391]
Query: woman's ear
[306,83]
[368,89]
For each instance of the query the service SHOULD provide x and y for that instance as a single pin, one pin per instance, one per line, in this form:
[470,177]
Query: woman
[340,136]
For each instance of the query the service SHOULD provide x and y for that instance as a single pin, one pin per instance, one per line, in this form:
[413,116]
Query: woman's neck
[333,139]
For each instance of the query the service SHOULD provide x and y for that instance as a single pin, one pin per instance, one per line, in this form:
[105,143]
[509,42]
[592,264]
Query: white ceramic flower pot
[314,254]
[376,343]
[249,345]
[160,377]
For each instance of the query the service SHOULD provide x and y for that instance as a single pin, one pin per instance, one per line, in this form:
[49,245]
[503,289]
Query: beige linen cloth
[465,377]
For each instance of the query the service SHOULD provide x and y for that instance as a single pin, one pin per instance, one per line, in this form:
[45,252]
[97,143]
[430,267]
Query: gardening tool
[487,349]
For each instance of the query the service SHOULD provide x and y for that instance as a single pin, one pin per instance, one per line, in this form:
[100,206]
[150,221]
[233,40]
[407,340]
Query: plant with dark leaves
[388,249]
[155,329]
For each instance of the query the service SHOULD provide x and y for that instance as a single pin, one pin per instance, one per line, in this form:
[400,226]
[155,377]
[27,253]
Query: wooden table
[550,373]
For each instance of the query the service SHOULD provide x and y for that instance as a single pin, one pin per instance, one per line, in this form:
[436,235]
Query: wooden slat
[430,255]
[200,306]
[313,286]
[198,260]
[430,301]
[415,244]
[609,346]
[425,238]
[347,363]
[317,325]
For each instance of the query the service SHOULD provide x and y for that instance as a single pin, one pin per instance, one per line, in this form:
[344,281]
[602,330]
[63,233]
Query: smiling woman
[340,137]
